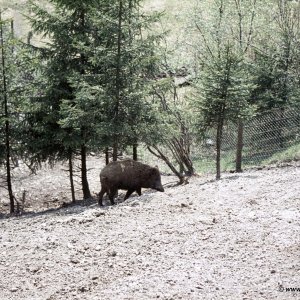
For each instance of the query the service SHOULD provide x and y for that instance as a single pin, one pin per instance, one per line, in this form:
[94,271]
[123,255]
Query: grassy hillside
[172,21]
[16,10]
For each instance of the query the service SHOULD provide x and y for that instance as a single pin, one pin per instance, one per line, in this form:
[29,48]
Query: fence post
[239,147]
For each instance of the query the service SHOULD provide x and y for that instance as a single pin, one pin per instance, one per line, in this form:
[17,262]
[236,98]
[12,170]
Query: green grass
[290,154]
[208,165]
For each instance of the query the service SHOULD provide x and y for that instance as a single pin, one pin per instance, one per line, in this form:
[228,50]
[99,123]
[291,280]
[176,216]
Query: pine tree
[224,93]
[69,32]
[5,117]
[17,67]
[125,64]
[117,86]
[225,79]
[98,66]
[277,57]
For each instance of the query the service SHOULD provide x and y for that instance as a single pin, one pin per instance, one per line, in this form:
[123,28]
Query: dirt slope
[233,239]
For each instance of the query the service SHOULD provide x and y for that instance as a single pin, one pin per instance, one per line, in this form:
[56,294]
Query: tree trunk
[106,156]
[219,143]
[134,155]
[239,147]
[182,150]
[71,175]
[84,181]
[281,127]
[12,29]
[115,151]
[181,168]
[29,37]
[118,79]
[7,125]
[218,158]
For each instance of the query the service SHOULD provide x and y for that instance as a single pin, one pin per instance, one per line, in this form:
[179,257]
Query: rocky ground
[237,238]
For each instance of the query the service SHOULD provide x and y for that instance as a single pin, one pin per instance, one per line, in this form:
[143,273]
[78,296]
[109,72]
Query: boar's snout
[161,189]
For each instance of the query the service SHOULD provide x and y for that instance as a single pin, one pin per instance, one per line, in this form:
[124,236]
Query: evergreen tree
[17,67]
[225,90]
[125,62]
[98,64]
[6,113]
[225,80]
[277,57]
[69,31]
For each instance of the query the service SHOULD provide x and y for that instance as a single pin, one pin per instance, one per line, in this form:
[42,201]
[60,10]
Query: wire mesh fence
[266,137]
[271,133]
[269,137]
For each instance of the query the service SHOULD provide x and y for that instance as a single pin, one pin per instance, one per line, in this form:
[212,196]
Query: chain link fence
[269,137]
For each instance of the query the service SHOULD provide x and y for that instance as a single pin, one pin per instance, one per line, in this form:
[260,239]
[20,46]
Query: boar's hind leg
[129,192]
[111,195]
[102,192]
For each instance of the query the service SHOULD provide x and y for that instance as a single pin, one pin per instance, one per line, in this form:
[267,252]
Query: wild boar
[128,175]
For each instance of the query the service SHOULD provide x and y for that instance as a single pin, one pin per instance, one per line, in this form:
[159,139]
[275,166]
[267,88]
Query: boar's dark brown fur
[128,175]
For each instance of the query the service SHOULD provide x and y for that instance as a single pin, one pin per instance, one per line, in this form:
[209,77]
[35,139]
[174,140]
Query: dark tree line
[101,80]
[89,91]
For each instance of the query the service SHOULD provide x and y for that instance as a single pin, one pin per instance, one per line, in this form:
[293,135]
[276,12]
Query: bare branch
[205,41]
[251,27]
[160,155]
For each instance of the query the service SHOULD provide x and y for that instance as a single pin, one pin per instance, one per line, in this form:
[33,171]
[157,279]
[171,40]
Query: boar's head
[155,180]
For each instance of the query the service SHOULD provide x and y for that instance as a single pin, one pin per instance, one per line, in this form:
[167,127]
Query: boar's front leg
[139,191]
[129,192]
